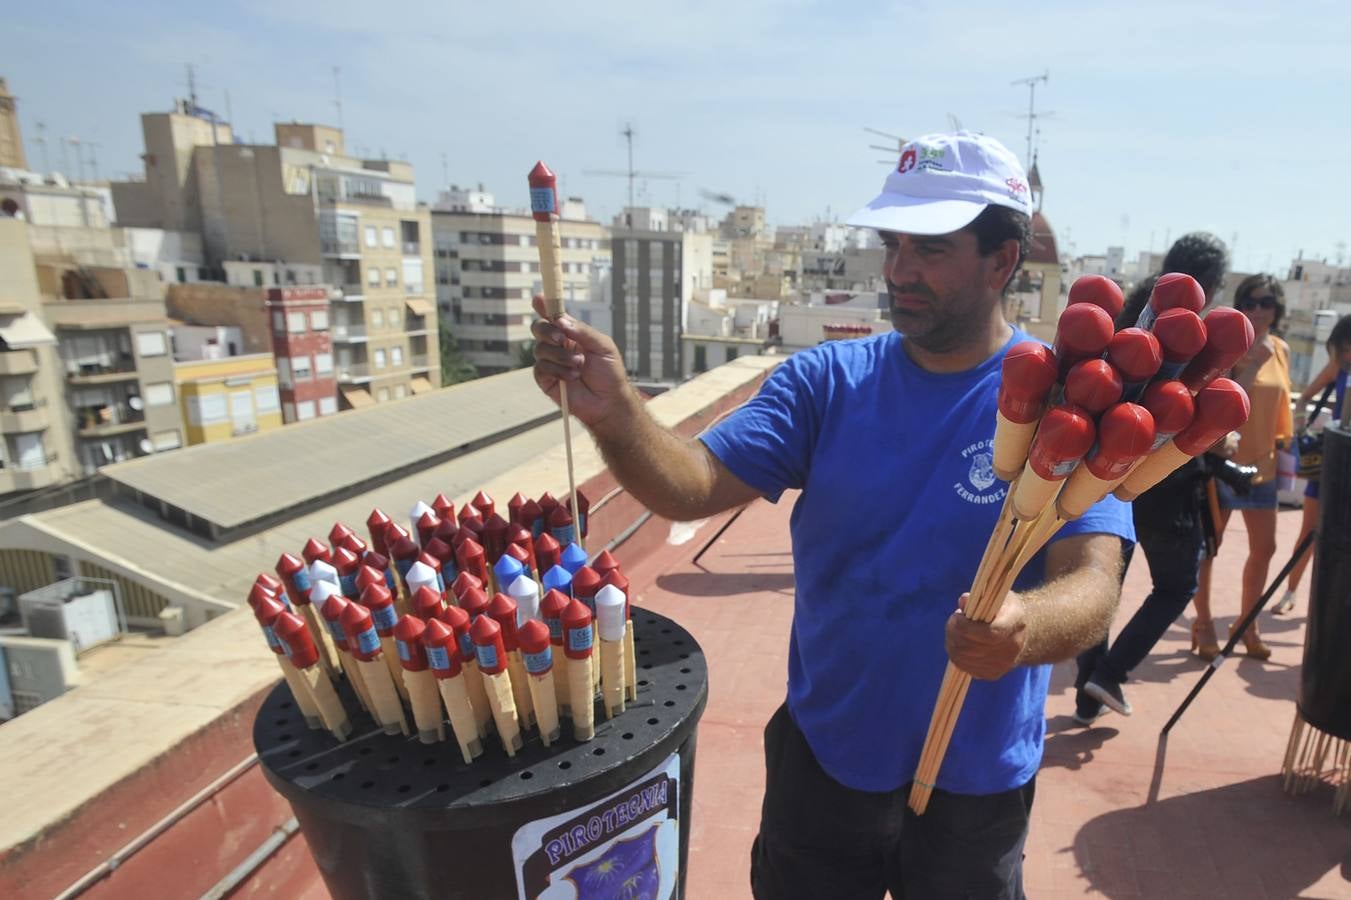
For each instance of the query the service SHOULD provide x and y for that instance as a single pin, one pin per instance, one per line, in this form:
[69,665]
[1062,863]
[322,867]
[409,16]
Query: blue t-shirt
[898,501]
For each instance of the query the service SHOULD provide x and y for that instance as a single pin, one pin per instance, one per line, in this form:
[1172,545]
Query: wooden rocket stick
[630,663]
[426,705]
[443,657]
[537,653]
[384,697]
[326,698]
[544,208]
[302,653]
[492,659]
[610,622]
[328,653]
[300,690]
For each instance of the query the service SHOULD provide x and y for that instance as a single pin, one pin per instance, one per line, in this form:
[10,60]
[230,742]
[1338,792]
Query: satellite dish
[136,403]
[146,446]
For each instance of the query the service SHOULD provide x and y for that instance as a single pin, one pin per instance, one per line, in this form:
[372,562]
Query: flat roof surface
[273,471]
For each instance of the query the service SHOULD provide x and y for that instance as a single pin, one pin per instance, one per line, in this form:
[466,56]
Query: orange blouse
[1270,425]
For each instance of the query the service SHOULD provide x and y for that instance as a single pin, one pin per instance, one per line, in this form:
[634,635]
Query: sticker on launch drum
[627,845]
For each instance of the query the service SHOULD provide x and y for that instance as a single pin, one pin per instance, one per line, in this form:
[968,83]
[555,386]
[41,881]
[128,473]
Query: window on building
[700,358]
[302,368]
[394,316]
[328,406]
[371,240]
[257,277]
[391,277]
[241,412]
[295,322]
[151,343]
[377,318]
[412,275]
[180,274]
[396,356]
[284,372]
[731,354]
[159,394]
[278,322]
[319,320]
[379,359]
[400,391]
[304,410]
[288,412]
[373,276]
[207,409]
[323,363]
[266,399]
[387,237]
[382,395]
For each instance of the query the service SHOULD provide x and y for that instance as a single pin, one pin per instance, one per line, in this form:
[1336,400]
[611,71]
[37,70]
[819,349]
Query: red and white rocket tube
[294,636]
[495,530]
[551,609]
[376,523]
[548,552]
[1125,435]
[459,621]
[1172,407]
[1136,355]
[616,578]
[484,504]
[418,680]
[443,508]
[492,662]
[578,640]
[1063,437]
[364,641]
[1083,332]
[266,611]
[427,603]
[380,602]
[1029,371]
[443,656]
[1173,290]
[316,549]
[503,611]
[464,582]
[472,559]
[537,654]
[1229,336]
[1221,407]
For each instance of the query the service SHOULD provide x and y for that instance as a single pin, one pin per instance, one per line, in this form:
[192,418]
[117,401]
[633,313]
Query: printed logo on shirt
[980,477]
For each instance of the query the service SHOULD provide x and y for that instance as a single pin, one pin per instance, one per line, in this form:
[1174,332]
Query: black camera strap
[1318,407]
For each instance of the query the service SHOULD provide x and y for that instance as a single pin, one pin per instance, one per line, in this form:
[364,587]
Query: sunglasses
[1252,303]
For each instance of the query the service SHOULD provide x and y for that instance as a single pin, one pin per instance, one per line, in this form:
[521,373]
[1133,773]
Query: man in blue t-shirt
[903,422]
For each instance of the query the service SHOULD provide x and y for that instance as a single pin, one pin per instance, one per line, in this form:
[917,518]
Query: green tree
[454,367]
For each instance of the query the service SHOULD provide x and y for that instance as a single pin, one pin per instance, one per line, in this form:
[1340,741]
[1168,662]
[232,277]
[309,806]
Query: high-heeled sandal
[1252,643]
[1204,642]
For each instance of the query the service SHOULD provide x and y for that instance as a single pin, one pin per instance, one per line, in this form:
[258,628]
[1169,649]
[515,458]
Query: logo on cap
[907,160]
[1016,187]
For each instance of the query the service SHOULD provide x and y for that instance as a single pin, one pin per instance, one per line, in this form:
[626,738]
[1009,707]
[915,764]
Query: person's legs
[817,837]
[1261,525]
[1173,563]
[1086,708]
[1309,521]
[1204,641]
[963,847]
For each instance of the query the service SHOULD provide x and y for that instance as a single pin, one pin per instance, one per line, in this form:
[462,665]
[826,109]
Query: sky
[1161,117]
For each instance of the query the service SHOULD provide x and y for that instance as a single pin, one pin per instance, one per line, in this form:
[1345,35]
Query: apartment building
[655,274]
[229,397]
[302,211]
[487,271]
[303,350]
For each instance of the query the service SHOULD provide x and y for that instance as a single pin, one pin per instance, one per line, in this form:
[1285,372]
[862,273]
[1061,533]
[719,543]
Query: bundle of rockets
[487,622]
[1099,412]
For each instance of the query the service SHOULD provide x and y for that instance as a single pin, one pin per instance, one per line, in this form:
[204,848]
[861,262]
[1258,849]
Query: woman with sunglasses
[1265,374]
[1334,373]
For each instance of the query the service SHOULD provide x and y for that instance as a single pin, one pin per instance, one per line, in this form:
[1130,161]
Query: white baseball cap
[943,181]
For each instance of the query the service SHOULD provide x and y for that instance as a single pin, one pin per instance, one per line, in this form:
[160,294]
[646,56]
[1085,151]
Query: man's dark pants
[820,839]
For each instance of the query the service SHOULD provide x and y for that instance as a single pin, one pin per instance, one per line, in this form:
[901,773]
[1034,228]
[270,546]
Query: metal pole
[1242,626]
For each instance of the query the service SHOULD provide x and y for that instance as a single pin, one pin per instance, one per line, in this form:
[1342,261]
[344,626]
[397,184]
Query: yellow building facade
[228,398]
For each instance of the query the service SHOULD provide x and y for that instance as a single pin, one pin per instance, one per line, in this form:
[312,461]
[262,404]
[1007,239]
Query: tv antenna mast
[1032,114]
[631,173]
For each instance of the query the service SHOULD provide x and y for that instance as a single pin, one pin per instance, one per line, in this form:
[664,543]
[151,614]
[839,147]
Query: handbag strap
[1318,407]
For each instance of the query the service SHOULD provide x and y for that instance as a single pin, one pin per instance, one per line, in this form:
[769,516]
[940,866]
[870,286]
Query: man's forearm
[666,473]
[1069,614]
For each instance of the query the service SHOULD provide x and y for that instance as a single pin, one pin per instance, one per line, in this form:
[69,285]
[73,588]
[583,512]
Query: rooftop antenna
[93,158]
[445,171]
[192,86]
[1032,113]
[41,141]
[337,95]
[631,174]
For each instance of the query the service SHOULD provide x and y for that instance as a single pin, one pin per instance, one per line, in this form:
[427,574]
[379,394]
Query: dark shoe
[1108,694]
[1086,709]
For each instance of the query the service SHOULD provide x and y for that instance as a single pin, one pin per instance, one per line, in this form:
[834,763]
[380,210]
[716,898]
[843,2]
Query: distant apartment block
[487,270]
[654,276]
[303,349]
[302,212]
[228,397]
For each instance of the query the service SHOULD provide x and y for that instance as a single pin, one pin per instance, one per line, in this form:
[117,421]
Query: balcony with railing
[348,334]
[24,418]
[340,248]
[354,372]
[18,362]
[107,420]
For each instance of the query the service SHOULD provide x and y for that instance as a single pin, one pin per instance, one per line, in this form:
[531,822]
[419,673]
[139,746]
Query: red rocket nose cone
[267,609]
[455,617]
[502,606]
[577,615]
[437,634]
[289,564]
[356,618]
[1083,331]
[316,549]
[409,629]
[1229,335]
[554,603]
[334,607]
[1135,353]
[585,582]
[376,595]
[1171,405]
[606,562]
[438,549]
[1181,334]
[345,561]
[463,582]
[1125,430]
[533,636]
[1093,384]
[1221,407]
[485,630]
[474,602]
[1100,291]
[542,176]
[1177,291]
[560,517]
[495,524]
[546,543]
[377,517]
[1065,433]
[616,578]
[426,601]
